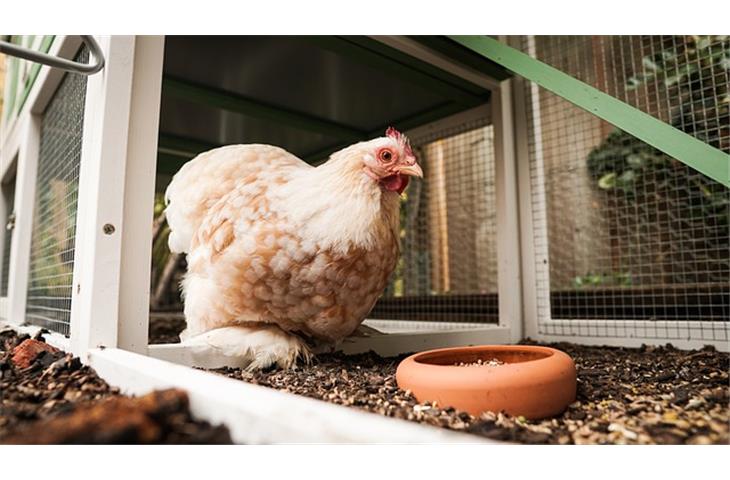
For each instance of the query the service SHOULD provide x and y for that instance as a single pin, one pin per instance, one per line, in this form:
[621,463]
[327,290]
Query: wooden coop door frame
[110,306]
[110,298]
[397,336]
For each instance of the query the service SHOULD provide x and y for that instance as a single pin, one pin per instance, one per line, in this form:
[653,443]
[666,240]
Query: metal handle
[57,62]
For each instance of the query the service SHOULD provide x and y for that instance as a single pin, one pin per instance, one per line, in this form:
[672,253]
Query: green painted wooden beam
[696,154]
[393,64]
[234,102]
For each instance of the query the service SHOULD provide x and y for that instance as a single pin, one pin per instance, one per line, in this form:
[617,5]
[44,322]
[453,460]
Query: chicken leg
[254,346]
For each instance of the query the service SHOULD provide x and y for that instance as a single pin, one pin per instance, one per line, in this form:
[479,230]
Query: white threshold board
[256,414]
[387,338]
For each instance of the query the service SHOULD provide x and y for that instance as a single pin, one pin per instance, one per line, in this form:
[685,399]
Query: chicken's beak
[413,170]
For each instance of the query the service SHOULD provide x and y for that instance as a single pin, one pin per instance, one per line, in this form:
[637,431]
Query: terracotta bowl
[535,382]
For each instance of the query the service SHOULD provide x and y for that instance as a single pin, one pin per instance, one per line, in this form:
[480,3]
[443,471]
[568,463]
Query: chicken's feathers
[203,181]
[252,347]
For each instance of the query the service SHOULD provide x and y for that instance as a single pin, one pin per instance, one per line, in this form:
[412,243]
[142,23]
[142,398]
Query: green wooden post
[695,153]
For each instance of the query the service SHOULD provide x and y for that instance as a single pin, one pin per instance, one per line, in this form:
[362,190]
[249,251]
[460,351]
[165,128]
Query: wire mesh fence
[448,267]
[56,196]
[623,231]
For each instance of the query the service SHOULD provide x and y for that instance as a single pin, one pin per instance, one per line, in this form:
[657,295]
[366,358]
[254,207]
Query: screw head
[108,228]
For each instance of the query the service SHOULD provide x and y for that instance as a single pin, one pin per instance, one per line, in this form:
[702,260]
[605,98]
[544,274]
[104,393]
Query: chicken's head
[389,161]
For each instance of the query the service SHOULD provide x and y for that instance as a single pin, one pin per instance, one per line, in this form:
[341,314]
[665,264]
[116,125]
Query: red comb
[401,139]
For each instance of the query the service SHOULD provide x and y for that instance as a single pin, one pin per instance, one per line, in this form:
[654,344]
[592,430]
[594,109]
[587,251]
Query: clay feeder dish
[530,381]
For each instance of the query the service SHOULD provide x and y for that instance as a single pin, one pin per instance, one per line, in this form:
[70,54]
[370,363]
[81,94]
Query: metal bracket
[57,62]
[10,225]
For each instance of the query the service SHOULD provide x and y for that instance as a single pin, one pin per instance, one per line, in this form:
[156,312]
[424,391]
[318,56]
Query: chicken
[280,252]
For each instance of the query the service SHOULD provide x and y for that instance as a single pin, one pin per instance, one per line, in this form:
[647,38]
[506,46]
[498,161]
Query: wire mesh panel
[54,216]
[448,268]
[622,231]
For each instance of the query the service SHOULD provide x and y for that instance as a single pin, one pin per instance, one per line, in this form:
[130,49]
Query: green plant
[622,279]
[691,212]
[694,71]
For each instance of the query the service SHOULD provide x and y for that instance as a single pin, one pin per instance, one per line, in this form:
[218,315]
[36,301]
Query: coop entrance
[315,95]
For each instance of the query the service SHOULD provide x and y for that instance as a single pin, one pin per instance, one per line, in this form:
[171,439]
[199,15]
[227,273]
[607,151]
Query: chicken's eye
[386,155]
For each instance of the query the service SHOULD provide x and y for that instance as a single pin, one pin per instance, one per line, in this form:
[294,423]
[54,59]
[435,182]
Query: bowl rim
[417,358]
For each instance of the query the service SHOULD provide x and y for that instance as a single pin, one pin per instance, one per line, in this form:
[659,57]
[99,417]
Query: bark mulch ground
[625,396]
[48,397]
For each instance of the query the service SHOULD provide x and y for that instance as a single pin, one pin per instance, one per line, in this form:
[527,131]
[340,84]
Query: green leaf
[669,81]
[704,42]
[668,55]
[636,161]
[633,82]
[608,181]
[705,191]
[649,64]
[627,177]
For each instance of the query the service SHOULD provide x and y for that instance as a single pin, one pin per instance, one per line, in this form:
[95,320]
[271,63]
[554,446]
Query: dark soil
[649,395]
[625,395]
[55,399]
[165,327]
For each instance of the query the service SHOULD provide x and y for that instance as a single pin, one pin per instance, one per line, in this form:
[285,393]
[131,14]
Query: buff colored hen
[279,251]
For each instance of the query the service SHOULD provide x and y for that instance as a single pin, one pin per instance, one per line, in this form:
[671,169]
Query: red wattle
[395,183]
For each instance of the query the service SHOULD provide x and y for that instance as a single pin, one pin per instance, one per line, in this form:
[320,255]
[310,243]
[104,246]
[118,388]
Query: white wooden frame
[139,193]
[397,336]
[8,170]
[99,224]
[256,414]
[537,319]
[25,178]
[116,192]
[116,197]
